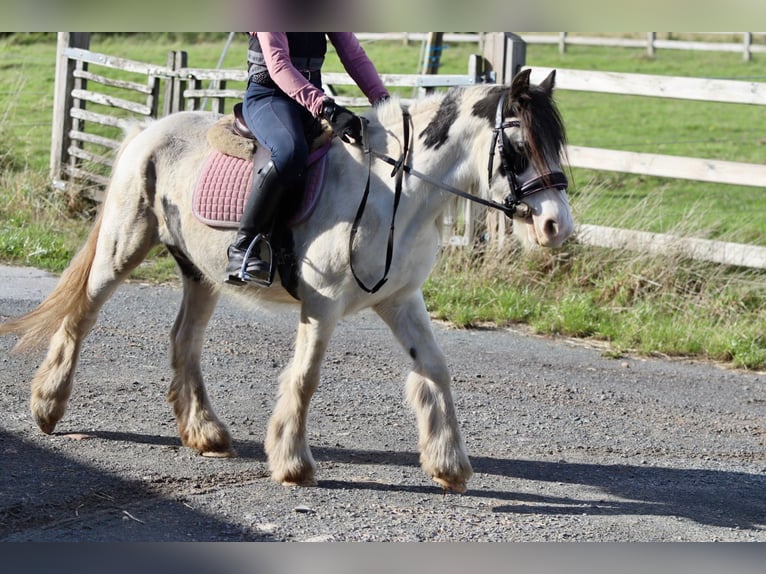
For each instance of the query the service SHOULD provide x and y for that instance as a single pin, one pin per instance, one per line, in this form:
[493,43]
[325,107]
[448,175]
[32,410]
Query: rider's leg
[256,220]
[277,122]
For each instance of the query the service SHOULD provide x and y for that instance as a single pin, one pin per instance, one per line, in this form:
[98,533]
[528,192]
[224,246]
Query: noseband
[513,202]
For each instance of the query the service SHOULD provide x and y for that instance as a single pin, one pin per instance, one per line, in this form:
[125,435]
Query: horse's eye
[517,159]
[520,162]
[515,156]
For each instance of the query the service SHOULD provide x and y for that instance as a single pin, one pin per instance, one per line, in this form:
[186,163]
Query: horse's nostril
[551,228]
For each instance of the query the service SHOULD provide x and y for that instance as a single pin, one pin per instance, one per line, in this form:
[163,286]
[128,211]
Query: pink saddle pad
[225,181]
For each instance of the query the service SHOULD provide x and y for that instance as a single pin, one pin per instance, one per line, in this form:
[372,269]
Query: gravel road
[566,443]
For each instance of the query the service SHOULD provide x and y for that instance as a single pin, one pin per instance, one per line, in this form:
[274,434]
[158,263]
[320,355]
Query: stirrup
[243,276]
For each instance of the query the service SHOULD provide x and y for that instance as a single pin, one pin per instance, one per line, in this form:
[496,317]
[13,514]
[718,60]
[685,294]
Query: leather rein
[512,205]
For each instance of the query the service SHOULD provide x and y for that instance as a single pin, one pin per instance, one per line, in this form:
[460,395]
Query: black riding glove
[345,123]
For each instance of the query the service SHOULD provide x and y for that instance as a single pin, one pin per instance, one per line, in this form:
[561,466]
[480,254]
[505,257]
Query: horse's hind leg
[442,452]
[116,244]
[288,451]
[198,425]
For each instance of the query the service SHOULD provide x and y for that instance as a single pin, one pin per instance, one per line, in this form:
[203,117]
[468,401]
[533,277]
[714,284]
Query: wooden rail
[93,108]
[651,43]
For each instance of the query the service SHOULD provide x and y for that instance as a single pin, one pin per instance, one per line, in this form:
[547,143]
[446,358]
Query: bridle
[513,202]
[512,205]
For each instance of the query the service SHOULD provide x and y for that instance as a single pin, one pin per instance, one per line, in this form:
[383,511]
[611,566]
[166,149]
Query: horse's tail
[69,297]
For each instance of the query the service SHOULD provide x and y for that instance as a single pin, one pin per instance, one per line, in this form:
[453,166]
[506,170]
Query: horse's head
[525,161]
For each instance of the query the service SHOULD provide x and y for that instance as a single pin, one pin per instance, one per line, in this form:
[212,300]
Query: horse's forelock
[543,125]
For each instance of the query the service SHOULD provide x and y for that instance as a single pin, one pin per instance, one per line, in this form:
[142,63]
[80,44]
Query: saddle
[226,178]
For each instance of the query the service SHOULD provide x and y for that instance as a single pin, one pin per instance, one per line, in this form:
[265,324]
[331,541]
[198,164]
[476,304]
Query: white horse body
[149,202]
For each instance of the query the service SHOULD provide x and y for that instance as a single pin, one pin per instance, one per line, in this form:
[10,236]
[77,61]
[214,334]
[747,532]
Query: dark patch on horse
[175,147]
[487,106]
[177,248]
[188,269]
[436,132]
[150,182]
[413,353]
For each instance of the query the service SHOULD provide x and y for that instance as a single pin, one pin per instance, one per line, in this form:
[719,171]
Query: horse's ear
[520,83]
[548,83]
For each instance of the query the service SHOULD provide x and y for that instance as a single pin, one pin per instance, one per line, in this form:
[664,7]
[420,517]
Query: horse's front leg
[288,451]
[198,425]
[442,452]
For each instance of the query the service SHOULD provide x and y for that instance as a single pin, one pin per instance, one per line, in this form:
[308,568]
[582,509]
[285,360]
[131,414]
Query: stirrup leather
[243,276]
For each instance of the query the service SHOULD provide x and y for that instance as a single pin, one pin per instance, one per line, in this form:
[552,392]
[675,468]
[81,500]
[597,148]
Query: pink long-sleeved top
[294,84]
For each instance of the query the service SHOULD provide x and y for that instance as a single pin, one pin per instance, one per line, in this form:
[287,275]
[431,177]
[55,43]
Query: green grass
[37,229]
[635,303]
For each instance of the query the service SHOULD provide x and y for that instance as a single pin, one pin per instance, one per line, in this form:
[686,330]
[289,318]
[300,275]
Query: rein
[398,172]
[511,206]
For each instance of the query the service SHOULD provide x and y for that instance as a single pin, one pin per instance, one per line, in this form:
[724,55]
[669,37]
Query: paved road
[566,443]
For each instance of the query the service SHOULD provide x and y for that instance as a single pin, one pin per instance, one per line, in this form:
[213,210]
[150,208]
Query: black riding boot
[257,217]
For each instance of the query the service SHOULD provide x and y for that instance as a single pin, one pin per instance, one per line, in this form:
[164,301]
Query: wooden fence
[94,102]
[750,43]
[92,107]
[651,42]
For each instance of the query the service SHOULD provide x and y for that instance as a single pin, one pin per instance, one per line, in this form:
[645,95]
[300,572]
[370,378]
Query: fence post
[506,53]
[747,41]
[179,83]
[432,56]
[433,53]
[174,89]
[62,102]
[517,55]
[650,44]
[167,100]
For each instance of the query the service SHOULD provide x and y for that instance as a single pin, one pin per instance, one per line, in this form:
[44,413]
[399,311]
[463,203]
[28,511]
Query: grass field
[635,303]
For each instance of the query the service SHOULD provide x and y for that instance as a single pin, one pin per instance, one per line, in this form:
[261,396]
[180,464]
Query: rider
[284,91]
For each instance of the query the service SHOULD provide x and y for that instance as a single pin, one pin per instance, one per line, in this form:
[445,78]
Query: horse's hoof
[47,413]
[231,453]
[303,482]
[46,424]
[300,477]
[453,485]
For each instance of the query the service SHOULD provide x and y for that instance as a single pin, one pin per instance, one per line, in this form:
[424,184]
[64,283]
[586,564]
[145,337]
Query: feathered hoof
[211,441]
[46,426]
[46,415]
[451,484]
[311,481]
[299,473]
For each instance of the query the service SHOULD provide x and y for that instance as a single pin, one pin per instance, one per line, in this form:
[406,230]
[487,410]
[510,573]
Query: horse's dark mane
[539,117]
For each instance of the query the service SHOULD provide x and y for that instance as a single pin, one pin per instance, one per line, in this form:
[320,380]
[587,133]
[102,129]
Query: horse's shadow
[720,498]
